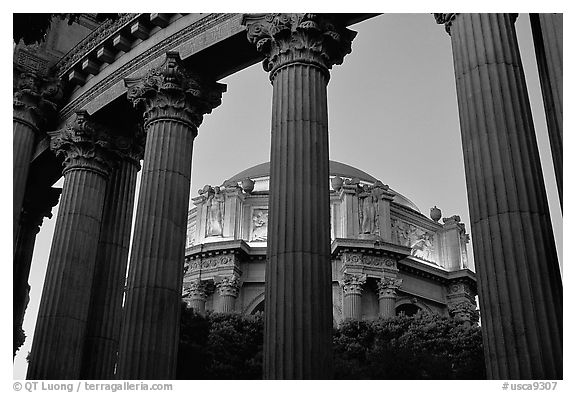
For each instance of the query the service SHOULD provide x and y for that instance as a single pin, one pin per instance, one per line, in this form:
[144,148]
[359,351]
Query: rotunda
[387,257]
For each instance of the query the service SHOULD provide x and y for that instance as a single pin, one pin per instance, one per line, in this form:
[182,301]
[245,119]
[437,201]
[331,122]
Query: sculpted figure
[368,208]
[422,248]
[260,225]
[214,203]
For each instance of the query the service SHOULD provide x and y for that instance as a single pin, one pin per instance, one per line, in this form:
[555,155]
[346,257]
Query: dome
[336,169]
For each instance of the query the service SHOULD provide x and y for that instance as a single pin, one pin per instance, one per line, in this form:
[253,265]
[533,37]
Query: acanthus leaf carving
[171,91]
[286,38]
[83,143]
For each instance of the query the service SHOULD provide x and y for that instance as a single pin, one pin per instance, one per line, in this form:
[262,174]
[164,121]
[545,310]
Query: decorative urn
[435,213]
[337,183]
[248,185]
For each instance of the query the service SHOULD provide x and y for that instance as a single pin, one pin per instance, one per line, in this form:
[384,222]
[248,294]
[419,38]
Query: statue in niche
[215,208]
[259,225]
[422,247]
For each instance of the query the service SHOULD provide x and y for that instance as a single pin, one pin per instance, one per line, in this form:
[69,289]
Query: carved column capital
[352,283]
[39,206]
[464,311]
[131,148]
[198,290]
[284,39]
[172,92]
[447,19]
[387,286]
[86,144]
[35,98]
[228,286]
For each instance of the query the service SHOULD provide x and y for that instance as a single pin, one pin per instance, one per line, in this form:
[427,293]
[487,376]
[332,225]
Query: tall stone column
[547,35]
[387,287]
[173,101]
[63,315]
[38,205]
[299,51]
[352,288]
[228,288]
[105,316]
[520,287]
[35,102]
[198,293]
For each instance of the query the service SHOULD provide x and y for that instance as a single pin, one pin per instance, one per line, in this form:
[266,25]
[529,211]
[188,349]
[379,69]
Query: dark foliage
[32,28]
[220,346]
[426,346]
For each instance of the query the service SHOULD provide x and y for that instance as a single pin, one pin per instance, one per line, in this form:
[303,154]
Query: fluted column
[387,287]
[36,207]
[197,296]
[520,287]
[105,316]
[547,35]
[173,101]
[63,315]
[228,288]
[34,102]
[299,50]
[352,288]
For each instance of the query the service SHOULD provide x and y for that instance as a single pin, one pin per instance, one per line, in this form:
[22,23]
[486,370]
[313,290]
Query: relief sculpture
[259,225]
[420,241]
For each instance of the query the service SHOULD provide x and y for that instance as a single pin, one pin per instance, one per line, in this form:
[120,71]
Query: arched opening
[258,309]
[407,309]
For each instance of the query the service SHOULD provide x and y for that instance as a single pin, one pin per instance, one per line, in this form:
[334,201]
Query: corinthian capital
[447,19]
[198,290]
[352,283]
[35,99]
[85,144]
[298,38]
[170,91]
[38,205]
[228,286]
[131,148]
[387,286]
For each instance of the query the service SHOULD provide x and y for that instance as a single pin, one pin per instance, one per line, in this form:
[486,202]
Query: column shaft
[23,145]
[35,209]
[387,306]
[109,278]
[63,315]
[547,35]
[227,303]
[520,287]
[353,306]
[298,308]
[149,338]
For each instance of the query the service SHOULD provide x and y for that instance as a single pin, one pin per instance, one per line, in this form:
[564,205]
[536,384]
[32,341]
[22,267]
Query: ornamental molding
[95,38]
[314,39]
[211,22]
[35,98]
[85,144]
[170,91]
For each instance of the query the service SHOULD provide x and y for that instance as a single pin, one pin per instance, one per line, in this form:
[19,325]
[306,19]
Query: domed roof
[336,169]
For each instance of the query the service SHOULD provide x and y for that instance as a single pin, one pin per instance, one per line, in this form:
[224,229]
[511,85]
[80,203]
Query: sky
[392,113]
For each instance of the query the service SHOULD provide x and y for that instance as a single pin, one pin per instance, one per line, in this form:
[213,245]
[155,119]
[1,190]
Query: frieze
[226,260]
[193,30]
[370,261]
